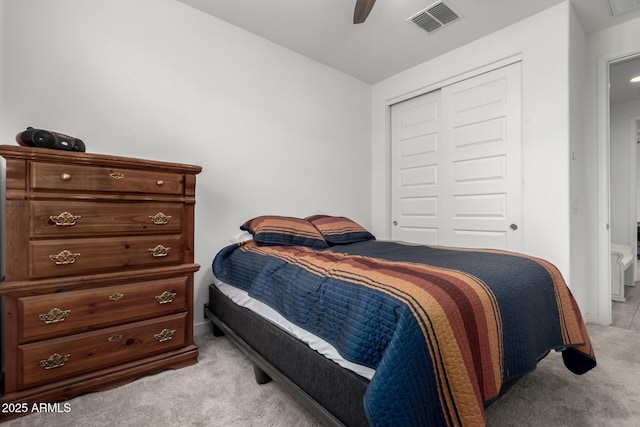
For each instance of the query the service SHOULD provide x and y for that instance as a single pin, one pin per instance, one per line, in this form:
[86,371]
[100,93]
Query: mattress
[441,329]
[243,299]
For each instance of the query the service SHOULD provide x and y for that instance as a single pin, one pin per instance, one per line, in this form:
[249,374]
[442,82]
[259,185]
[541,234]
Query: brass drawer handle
[54,361]
[160,218]
[159,183]
[165,297]
[116,175]
[54,316]
[116,297]
[65,218]
[64,257]
[165,335]
[114,338]
[159,251]
[65,177]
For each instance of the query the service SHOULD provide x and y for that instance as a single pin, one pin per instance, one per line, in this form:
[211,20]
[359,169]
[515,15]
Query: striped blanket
[444,328]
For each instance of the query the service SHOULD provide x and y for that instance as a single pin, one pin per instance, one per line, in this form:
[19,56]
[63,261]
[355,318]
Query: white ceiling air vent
[434,17]
[618,7]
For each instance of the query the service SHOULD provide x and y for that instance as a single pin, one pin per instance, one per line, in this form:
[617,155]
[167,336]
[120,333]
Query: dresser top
[73,157]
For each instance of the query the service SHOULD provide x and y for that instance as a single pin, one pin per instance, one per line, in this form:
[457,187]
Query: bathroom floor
[627,314]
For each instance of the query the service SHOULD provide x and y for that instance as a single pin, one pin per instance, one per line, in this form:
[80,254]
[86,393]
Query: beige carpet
[608,395]
[220,391]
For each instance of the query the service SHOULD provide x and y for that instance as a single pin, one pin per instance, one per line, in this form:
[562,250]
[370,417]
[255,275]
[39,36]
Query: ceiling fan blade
[363,7]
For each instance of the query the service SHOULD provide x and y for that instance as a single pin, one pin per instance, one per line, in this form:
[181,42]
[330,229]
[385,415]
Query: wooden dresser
[99,272]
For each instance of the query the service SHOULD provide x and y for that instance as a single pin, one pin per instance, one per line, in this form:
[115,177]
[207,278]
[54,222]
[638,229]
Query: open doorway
[624,198]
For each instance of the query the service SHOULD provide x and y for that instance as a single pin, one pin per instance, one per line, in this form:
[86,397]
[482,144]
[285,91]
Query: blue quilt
[443,328]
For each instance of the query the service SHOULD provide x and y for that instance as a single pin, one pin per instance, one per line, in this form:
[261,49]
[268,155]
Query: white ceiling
[385,44]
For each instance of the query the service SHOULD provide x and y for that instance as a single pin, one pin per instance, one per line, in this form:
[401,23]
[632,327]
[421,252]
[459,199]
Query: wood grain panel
[95,218]
[101,348]
[93,308]
[51,176]
[98,254]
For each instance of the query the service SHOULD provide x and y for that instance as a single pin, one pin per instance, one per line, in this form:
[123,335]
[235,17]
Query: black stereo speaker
[47,139]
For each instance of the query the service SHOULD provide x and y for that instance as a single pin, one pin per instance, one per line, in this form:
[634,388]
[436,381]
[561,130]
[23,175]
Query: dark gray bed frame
[331,393]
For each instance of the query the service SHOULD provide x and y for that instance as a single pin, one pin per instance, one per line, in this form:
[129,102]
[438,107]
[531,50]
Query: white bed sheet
[243,299]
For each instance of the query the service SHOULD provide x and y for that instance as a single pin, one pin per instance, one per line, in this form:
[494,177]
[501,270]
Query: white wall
[602,47]
[541,42]
[275,132]
[637,171]
[623,142]
[623,175]
[580,245]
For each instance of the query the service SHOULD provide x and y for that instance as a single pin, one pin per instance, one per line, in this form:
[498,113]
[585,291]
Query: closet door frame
[464,75]
[451,143]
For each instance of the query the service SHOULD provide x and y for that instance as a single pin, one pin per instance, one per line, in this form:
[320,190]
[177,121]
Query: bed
[370,332]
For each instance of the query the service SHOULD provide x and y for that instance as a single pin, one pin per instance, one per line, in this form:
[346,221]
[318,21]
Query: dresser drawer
[46,316]
[58,358]
[50,258]
[98,284]
[60,176]
[61,219]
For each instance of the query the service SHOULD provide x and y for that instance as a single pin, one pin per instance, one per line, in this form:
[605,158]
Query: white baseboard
[202,328]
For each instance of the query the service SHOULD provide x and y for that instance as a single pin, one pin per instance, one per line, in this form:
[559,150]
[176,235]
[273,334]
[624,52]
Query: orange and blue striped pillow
[274,230]
[339,230]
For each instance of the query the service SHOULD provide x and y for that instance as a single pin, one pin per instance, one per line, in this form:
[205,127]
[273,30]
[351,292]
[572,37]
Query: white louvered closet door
[456,164]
